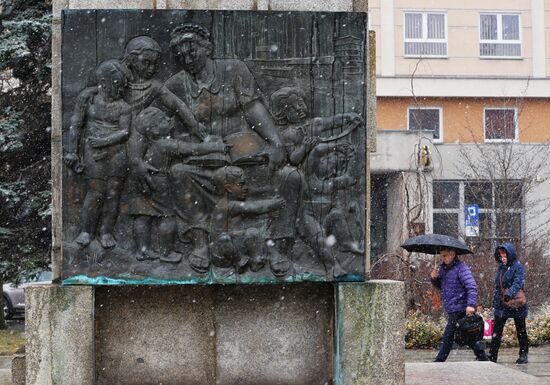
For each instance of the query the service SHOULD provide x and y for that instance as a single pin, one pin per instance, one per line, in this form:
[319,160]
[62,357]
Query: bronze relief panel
[213,146]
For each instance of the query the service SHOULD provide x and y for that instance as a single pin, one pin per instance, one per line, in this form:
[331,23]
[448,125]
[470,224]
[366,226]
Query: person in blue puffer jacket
[510,270]
[459,295]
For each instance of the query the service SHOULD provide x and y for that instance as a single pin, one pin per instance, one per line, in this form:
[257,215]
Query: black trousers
[449,336]
[521,330]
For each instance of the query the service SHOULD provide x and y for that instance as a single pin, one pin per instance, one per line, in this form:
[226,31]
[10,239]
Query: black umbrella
[433,243]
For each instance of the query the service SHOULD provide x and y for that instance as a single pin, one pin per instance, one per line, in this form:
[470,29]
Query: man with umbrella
[457,285]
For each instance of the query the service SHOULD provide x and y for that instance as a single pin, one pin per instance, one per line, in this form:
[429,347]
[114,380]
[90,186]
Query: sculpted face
[163,127]
[237,188]
[145,64]
[113,85]
[296,110]
[193,56]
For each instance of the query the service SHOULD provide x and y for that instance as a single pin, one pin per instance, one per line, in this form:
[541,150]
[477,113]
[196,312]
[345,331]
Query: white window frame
[499,39]
[487,211]
[516,124]
[440,109]
[425,33]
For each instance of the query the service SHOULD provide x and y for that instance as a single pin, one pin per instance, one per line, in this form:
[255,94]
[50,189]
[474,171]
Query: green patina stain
[127,279]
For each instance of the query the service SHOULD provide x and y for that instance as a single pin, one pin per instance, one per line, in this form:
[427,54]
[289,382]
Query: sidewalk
[467,373]
[462,361]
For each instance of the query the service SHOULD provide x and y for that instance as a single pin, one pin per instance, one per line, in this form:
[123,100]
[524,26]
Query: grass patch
[11,341]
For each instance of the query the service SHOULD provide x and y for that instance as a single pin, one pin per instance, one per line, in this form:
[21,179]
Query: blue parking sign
[471,220]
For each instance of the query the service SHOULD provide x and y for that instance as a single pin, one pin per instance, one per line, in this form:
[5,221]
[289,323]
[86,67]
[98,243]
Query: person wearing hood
[509,281]
[459,295]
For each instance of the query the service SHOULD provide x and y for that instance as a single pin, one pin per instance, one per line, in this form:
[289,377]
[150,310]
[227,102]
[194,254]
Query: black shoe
[522,359]
[493,358]
[439,360]
[482,358]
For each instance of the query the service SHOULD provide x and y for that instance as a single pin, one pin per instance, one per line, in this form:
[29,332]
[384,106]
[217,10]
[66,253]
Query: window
[499,35]
[500,124]
[425,119]
[500,208]
[425,34]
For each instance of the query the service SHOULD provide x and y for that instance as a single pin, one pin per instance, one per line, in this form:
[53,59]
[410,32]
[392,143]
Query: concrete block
[5,377]
[370,330]
[224,335]
[18,369]
[110,4]
[361,5]
[246,5]
[56,149]
[274,334]
[371,94]
[57,7]
[273,5]
[311,5]
[155,335]
[60,335]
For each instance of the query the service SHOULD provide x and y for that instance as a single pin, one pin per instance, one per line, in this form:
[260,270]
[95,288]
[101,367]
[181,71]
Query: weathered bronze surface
[213,146]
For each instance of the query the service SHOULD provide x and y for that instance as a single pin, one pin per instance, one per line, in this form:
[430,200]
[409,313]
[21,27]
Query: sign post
[471,220]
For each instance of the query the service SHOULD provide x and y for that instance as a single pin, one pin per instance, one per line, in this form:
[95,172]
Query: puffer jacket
[512,279]
[458,287]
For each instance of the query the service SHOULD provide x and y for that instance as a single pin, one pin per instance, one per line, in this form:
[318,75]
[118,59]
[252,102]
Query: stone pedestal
[370,333]
[273,334]
[60,335]
[18,369]
[286,334]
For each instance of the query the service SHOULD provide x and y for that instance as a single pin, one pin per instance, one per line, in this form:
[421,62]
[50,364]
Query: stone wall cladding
[59,327]
[371,329]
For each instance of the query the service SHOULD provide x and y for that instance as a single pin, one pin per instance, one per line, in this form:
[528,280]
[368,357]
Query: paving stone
[467,373]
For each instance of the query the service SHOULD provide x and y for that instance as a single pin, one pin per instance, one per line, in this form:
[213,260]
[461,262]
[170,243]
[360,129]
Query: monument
[204,147]
[210,199]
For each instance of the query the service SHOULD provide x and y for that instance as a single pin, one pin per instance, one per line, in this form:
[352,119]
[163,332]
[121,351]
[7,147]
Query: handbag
[470,329]
[514,303]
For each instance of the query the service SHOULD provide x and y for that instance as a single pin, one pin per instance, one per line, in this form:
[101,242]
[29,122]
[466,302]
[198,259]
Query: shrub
[422,332]
[538,328]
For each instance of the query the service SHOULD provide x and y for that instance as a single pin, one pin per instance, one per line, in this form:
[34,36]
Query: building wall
[463,117]
[463,39]
[462,85]
[448,163]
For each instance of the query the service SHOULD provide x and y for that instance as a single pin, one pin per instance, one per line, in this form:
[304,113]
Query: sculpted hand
[98,142]
[141,172]
[280,203]
[277,158]
[353,120]
[310,142]
[70,159]
[201,131]
[470,311]
[223,147]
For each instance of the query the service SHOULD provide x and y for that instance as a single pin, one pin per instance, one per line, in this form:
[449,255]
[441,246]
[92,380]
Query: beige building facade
[463,119]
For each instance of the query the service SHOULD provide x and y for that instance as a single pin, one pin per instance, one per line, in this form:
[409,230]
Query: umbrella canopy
[433,243]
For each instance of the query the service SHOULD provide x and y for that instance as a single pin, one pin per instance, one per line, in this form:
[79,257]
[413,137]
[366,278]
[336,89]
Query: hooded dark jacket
[458,287]
[512,279]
